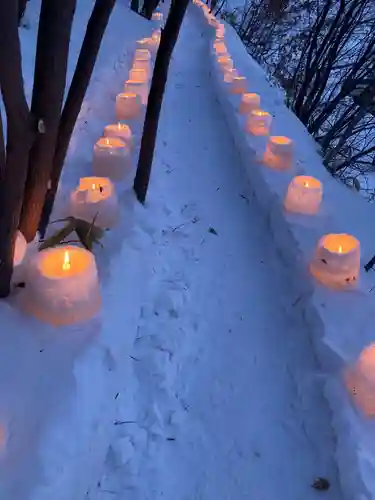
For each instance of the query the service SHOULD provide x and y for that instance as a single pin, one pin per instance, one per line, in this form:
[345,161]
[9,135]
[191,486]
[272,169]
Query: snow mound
[340,323]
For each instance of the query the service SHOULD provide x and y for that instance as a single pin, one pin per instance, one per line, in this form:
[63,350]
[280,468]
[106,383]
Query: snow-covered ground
[200,379]
[229,402]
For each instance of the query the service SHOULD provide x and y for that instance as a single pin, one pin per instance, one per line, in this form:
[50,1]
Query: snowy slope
[59,387]
[229,401]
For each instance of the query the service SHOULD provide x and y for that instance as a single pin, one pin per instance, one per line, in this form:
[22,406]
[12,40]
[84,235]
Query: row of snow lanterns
[336,262]
[62,282]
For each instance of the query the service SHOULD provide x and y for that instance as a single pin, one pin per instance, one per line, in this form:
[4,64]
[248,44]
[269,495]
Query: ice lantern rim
[332,242]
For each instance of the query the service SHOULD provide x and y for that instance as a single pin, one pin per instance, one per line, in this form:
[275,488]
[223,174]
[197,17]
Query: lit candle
[138,75]
[128,106]
[157,16]
[279,152]
[259,123]
[249,102]
[337,260]
[111,159]
[62,286]
[95,198]
[139,88]
[120,130]
[238,85]
[304,195]
[360,381]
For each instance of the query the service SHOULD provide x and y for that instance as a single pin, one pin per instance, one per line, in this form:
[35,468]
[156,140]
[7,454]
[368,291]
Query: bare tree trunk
[21,9]
[148,8]
[86,62]
[134,5]
[167,42]
[13,165]
[55,25]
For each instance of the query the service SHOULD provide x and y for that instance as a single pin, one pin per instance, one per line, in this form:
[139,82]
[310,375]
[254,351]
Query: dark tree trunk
[21,9]
[55,25]
[148,8]
[168,40]
[89,51]
[13,165]
[134,5]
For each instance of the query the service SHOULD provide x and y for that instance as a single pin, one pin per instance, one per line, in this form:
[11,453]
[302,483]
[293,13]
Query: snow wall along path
[60,387]
[341,323]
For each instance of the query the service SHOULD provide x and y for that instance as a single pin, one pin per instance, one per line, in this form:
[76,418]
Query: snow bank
[60,387]
[340,323]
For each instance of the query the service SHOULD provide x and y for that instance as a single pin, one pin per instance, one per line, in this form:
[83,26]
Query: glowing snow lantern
[138,75]
[220,47]
[120,130]
[63,286]
[157,16]
[111,159]
[360,381]
[95,198]
[139,88]
[142,54]
[337,260]
[249,102]
[229,75]
[279,152]
[238,85]
[128,106]
[259,123]
[304,195]
[225,62]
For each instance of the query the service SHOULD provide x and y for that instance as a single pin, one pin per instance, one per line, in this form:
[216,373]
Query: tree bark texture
[85,66]
[55,25]
[168,40]
[13,164]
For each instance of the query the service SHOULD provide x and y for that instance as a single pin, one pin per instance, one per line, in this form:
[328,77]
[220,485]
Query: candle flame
[66,263]
[107,142]
[94,187]
[306,184]
[340,249]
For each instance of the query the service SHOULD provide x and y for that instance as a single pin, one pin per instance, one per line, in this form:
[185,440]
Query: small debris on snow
[321,484]
[212,231]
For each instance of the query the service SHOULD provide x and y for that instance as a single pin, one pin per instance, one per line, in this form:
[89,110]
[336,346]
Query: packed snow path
[229,401]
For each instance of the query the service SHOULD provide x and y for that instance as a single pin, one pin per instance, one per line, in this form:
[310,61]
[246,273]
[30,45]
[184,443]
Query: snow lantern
[249,102]
[238,85]
[360,381]
[120,130]
[225,62]
[111,159]
[337,260]
[220,30]
[229,75]
[304,195]
[259,123]
[279,153]
[138,74]
[62,286]
[95,199]
[220,47]
[142,54]
[128,106]
[139,88]
[157,16]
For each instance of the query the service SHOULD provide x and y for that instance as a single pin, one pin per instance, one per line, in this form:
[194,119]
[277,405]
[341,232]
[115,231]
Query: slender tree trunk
[168,40]
[13,165]
[134,5]
[86,62]
[21,9]
[55,25]
[148,8]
